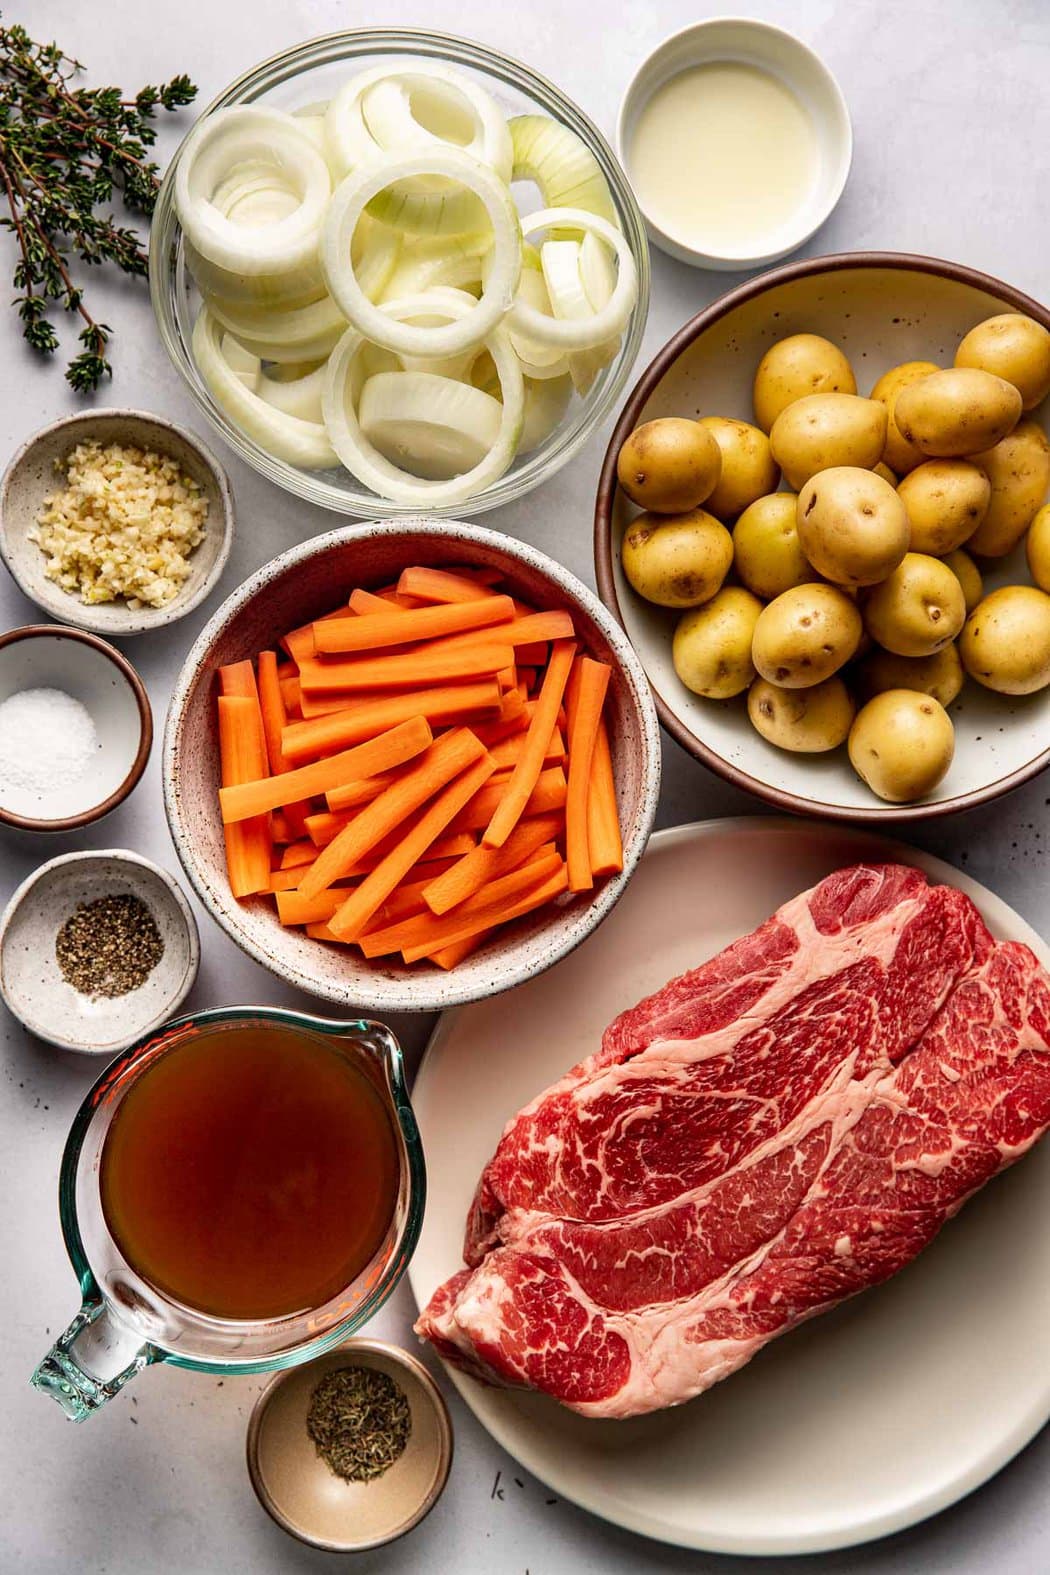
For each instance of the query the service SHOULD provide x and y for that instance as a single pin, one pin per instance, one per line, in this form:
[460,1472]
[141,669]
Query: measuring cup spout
[91,1362]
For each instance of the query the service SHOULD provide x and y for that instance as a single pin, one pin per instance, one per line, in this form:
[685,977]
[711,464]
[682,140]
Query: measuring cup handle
[91,1362]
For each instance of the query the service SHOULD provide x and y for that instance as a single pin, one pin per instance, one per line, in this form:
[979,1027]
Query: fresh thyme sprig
[64,152]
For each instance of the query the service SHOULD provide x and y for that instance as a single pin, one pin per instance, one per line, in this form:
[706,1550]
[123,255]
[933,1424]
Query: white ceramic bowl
[748,42]
[309,580]
[32,983]
[882,308]
[47,656]
[31,477]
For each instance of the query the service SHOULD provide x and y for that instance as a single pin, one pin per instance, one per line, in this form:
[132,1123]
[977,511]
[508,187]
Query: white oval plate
[858,1424]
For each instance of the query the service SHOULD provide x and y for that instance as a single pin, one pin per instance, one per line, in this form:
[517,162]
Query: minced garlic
[123,526]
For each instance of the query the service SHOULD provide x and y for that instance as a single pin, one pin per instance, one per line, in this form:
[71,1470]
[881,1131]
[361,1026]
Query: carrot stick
[352,917]
[298,643]
[364,602]
[424,623]
[280,831]
[549,794]
[588,699]
[507,752]
[291,695]
[366,718]
[439,585]
[530,762]
[449,956]
[275,720]
[482,865]
[237,680]
[353,794]
[445,759]
[425,933]
[492,733]
[527,630]
[481,923]
[422,666]
[297,853]
[603,819]
[242,756]
[388,750]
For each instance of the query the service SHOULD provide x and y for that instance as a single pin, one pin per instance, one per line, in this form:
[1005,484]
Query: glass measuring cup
[125,1323]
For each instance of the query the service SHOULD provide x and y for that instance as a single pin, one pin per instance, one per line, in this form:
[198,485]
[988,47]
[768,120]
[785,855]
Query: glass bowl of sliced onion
[399,272]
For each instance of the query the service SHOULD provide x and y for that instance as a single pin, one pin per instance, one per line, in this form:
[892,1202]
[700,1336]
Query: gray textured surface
[946,97]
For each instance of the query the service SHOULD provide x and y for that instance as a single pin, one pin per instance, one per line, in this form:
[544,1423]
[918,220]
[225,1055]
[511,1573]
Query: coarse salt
[47,741]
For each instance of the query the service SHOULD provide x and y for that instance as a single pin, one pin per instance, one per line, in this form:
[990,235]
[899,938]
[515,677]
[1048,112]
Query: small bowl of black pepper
[350,1451]
[96,950]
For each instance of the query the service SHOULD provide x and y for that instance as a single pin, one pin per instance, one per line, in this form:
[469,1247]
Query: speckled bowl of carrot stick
[412,764]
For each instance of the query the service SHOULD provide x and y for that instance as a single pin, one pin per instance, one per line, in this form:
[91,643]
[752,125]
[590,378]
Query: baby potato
[901,745]
[898,453]
[958,412]
[825,430]
[767,553]
[940,675]
[1018,471]
[676,560]
[918,609]
[712,644]
[968,575]
[1037,548]
[1006,642]
[793,367]
[748,467]
[852,525]
[806,721]
[804,636]
[669,465]
[1014,347]
[946,500]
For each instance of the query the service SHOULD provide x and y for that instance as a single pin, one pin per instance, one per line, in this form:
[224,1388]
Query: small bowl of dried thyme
[350,1451]
[97,950]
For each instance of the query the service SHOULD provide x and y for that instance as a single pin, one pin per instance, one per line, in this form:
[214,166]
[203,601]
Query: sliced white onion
[458,261]
[545,404]
[375,115]
[285,290]
[311,118]
[563,272]
[242,363]
[298,442]
[371,467]
[375,251]
[406,338]
[609,322]
[561,165]
[298,396]
[431,426]
[305,333]
[253,138]
[537,360]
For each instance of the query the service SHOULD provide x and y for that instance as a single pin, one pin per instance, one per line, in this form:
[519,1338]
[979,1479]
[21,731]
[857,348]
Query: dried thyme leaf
[360,1421]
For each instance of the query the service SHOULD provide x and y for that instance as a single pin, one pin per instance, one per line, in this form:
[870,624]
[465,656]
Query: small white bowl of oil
[737,141]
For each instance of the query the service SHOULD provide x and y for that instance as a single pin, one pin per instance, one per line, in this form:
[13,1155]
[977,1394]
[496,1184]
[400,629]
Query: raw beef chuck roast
[776,1130]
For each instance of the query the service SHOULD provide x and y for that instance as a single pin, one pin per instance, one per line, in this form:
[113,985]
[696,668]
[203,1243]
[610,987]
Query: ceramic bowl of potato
[820,520]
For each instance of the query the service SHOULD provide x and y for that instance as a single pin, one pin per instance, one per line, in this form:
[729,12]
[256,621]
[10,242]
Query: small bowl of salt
[75,728]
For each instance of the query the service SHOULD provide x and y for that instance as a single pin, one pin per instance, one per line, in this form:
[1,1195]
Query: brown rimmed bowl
[297,1489]
[882,308]
[311,579]
[50,656]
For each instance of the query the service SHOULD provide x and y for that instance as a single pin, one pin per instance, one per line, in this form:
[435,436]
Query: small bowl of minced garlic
[115,521]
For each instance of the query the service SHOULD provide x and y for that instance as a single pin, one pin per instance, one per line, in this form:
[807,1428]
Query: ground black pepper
[360,1421]
[109,946]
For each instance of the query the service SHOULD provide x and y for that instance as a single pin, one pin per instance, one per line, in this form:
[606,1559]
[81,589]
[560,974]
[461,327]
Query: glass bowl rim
[349,44]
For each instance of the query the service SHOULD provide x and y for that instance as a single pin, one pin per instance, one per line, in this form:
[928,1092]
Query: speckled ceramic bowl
[296,1487]
[309,580]
[882,308]
[31,477]
[31,982]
